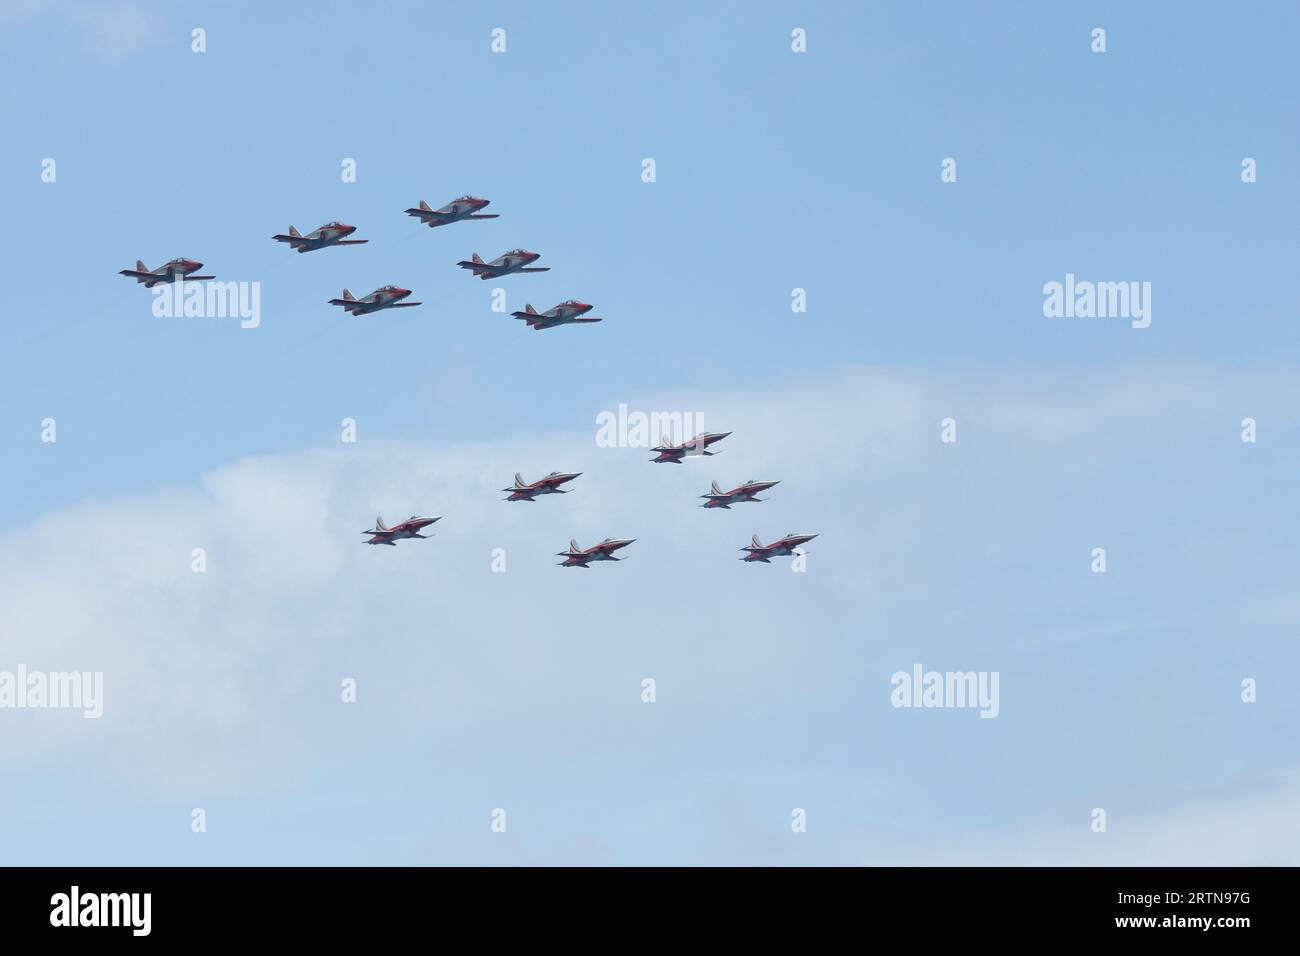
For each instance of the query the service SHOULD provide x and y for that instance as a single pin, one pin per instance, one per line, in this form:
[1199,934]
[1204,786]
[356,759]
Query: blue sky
[775,170]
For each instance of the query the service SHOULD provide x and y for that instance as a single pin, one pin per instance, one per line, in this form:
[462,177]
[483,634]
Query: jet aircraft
[695,446]
[717,498]
[757,551]
[330,234]
[385,297]
[466,207]
[565,313]
[516,260]
[529,490]
[577,557]
[410,528]
[167,272]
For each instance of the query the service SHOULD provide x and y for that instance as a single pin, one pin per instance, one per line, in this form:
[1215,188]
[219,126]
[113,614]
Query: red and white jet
[516,260]
[717,498]
[385,297]
[330,234]
[167,272]
[757,551]
[571,310]
[466,207]
[550,485]
[410,528]
[695,446]
[577,557]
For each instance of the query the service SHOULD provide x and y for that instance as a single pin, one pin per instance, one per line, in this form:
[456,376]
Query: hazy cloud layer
[522,689]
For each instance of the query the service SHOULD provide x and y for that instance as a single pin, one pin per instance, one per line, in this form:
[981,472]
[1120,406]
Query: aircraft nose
[480,203]
[402,293]
[192,265]
[349,230]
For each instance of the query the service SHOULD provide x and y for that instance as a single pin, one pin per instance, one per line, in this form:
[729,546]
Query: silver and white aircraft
[385,297]
[466,207]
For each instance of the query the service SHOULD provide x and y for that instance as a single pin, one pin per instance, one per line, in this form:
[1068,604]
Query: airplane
[410,528]
[550,485]
[717,498]
[571,310]
[577,557]
[694,446]
[466,207]
[385,297]
[516,260]
[777,549]
[330,234]
[167,272]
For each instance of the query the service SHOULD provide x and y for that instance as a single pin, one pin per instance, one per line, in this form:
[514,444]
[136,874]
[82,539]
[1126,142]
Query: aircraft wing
[403,305]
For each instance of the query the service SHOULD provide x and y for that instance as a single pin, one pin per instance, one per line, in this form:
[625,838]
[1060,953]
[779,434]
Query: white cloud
[114,29]
[229,680]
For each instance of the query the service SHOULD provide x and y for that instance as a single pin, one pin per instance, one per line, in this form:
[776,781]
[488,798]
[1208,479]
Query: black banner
[333,905]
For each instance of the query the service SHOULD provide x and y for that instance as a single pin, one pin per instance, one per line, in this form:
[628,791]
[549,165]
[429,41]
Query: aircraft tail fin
[665,441]
[425,206]
[756,542]
[140,266]
[715,489]
[293,231]
[349,296]
[573,545]
[519,480]
[529,309]
[476,258]
[379,524]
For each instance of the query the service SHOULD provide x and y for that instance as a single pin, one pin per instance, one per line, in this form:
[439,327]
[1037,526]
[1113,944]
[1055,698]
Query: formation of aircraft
[717,498]
[385,297]
[330,234]
[569,311]
[577,557]
[508,263]
[781,547]
[167,272]
[410,528]
[337,233]
[668,452]
[466,207]
[549,485]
